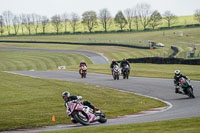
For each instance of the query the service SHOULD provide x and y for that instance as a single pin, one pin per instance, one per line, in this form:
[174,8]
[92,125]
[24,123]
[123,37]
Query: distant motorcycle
[83,71]
[186,87]
[116,72]
[83,114]
[126,71]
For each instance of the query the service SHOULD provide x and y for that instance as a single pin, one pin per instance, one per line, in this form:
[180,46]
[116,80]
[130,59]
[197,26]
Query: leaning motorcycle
[83,114]
[186,87]
[116,72]
[126,71]
[83,71]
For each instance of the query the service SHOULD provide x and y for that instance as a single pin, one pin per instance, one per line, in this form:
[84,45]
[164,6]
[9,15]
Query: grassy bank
[185,43]
[186,125]
[30,102]
[27,60]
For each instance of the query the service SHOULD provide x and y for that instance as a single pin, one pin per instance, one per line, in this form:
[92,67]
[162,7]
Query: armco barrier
[159,60]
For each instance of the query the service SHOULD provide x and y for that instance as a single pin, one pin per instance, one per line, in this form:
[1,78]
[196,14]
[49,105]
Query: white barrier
[61,67]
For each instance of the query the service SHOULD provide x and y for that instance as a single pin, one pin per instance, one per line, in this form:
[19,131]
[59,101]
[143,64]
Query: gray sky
[52,7]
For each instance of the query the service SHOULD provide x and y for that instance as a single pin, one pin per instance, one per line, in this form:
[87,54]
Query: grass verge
[186,125]
[30,102]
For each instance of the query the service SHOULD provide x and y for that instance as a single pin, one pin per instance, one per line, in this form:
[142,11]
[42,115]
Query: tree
[105,18]
[129,17]
[16,24]
[74,21]
[144,13]
[44,21]
[89,18]
[56,22]
[22,18]
[28,22]
[155,19]
[120,20]
[1,25]
[65,20]
[197,15]
[136,18]
[170,18]
[36,21]
[8,16]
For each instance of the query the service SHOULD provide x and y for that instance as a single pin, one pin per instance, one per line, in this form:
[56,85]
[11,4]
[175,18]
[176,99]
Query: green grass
[184,43]
[30,102]
[186,125]
[150,70]
[27,60]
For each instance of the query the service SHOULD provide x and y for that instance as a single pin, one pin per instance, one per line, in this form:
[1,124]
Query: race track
[154,87]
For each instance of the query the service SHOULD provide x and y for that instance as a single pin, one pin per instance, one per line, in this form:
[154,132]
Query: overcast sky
[52,7]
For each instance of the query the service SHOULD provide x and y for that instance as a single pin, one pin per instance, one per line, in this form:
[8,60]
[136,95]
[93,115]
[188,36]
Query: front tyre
[103,118]
[190,92]
[82,118]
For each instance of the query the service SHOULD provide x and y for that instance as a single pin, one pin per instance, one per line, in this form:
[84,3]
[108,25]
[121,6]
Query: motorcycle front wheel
[190,92]
[82,118]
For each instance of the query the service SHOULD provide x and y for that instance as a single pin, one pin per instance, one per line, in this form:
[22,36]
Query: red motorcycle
[83,114]
[83,71]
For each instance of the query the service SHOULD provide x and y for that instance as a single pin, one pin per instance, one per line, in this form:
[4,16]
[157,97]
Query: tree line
[141,14]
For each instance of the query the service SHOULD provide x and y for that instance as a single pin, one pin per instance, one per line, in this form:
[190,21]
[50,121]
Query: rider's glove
[79,97]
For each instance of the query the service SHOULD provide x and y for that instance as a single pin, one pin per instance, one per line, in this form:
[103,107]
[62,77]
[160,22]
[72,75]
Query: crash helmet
[113,60]
[65,94]
[177,73]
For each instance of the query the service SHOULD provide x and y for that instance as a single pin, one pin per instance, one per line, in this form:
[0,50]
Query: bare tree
[144,14]
[8,16]
[74,21]
[197,15]
[65,19]
[16,24]
[56,22]
[136,17]
[28,22]
[44,21]
[23,22]
[105,18]
[89,18]
[170,18]
[120,20]
[129,17]
[36,22]
[155,19]
[1,24]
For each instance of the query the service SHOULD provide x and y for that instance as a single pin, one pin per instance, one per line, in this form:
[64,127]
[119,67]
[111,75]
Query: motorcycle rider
[82,63]
[114,62]
[67,97]
[177,76]
[123,63]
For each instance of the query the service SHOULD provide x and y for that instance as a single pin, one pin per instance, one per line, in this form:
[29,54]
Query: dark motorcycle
[116,72]
[186,87]
[126,71]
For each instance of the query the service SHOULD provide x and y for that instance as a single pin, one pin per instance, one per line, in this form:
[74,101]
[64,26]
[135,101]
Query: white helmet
[66,93]
[177,73]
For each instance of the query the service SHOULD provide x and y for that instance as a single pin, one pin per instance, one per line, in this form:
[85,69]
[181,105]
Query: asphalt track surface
[179,106]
